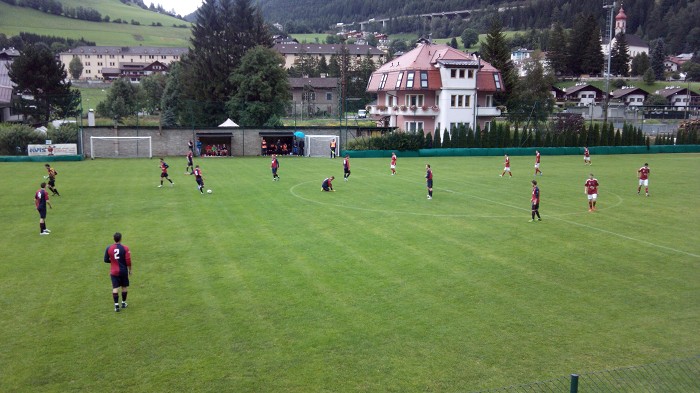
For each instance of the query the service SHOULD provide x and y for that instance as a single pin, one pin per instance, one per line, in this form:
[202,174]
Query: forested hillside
[673,20]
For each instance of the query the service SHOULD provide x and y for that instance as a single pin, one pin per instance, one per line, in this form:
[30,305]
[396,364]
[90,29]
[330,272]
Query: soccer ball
[209,191]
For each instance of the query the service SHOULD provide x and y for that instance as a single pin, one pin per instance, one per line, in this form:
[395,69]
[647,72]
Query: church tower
[621,22]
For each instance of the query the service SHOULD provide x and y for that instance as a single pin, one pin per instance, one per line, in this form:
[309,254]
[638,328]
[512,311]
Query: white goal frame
[116,144]
[311,148]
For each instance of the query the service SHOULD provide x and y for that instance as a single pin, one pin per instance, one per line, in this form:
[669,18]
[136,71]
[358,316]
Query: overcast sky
[182,7]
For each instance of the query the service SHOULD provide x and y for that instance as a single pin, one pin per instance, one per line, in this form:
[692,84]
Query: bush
[67,133]
[400,141]
[14,139]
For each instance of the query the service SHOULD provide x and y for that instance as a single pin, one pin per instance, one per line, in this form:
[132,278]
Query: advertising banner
[59,149]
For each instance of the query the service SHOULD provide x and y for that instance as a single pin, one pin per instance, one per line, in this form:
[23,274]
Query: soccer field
[277,287]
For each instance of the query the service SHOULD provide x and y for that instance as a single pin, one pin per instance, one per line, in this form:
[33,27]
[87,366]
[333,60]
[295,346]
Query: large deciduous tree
[122,101]
[46,95]
[263,89]
[533,99]
[75,67]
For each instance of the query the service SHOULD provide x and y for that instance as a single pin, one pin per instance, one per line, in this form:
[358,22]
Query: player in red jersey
[507,167]
[119,258]
[535,200]
[346,167]
[429,180]
[189,170]
[199,178]
[164,173]
[393,163]
[643,173]
[591,189]
[274,165]
[586,156]
[537,163]
[41,199]
[327,184]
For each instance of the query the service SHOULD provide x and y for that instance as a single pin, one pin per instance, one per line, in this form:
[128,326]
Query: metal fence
[674,376]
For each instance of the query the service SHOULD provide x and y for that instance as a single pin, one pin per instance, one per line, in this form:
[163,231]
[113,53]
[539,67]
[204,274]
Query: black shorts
[274,171]
[164,174]
[430,183]
[346,170]
[121,280]
[52,182]
[200,181]
[189,162]
[42,212]
[535,206]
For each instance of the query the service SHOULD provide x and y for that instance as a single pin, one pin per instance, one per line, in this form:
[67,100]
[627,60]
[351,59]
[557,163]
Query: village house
[96,59]
[7,55]
[314,96]
[291,52]
[630,95]
[435,87]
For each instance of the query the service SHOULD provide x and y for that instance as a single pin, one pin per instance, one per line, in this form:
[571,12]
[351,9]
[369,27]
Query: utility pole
[606,100]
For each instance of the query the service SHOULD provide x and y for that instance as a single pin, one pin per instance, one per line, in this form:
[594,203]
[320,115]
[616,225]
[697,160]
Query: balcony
[381,110]
[488,111]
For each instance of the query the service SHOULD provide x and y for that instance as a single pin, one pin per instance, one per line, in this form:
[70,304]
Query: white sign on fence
[60,149]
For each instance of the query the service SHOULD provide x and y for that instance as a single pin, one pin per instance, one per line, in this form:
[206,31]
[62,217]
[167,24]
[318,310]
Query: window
[87,63]
[409,80]
[453,73]
[99,64]
[87,56]
[329,96]
[489,101]
[424,79]
[111,56]
[467,101]
[497,80]
[309,96]
[111,64]
[459,101]
[413,125]
[398,81]
[383,81]
[414,100]
[470,74]
[461,74]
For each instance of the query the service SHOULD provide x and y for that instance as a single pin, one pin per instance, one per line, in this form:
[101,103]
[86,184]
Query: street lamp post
[607,73]
[690,97]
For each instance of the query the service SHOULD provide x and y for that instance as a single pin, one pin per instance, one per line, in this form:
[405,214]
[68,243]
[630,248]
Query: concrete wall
[173,142]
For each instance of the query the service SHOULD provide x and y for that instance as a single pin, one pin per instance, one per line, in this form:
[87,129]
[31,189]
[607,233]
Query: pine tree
[619,56]
[446,139]
[640,63]
[437,143]
[657,57]
[497,52]
[558,53]
[470,138]
[593,58]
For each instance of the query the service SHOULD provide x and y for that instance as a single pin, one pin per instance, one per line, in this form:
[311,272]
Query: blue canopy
[299,134]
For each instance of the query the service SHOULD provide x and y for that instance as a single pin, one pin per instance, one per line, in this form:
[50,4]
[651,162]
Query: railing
[423,110]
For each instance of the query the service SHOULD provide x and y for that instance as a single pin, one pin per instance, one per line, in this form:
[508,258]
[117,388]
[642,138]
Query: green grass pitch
[277,287]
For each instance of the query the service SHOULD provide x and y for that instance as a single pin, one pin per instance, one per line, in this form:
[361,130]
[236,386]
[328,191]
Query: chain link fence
[673,376]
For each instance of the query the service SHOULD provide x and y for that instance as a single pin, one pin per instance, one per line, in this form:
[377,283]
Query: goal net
[320,145]
[121,147]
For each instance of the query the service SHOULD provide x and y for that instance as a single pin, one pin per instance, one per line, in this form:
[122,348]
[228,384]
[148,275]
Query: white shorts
[506,169]
[644,182]
[537,166]
[587,158]
[392,166]
[592,197]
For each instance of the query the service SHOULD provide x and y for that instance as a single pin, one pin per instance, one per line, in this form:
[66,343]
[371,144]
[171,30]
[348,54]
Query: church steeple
[620,22]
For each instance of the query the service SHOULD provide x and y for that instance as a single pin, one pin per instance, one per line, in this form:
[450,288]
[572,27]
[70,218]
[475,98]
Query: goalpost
[319,145]
[121,147]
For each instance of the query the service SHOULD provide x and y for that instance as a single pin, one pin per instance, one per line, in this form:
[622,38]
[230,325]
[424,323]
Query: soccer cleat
[125,304]
[539,219]
[500,175]
[116,308]
[172,184]
[160,186]
[44,233]
[531,221]
[47,230]
[590,209]
[429,197]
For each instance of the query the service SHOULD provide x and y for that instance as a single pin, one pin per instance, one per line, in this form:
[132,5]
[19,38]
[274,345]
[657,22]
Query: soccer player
[275,165]
[591,189]
[263,146]
[327,184]
[164,173]
[41,199]
[537,163]
[119,258]
[190,168]
[586,156]
[429,180]
[332,146]
[199,178]
[507,167]
[643,173]
[346,167]
[393,163]
[52,180]
[535,201]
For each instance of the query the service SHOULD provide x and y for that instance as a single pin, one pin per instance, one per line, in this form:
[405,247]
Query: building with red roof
[435,86]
